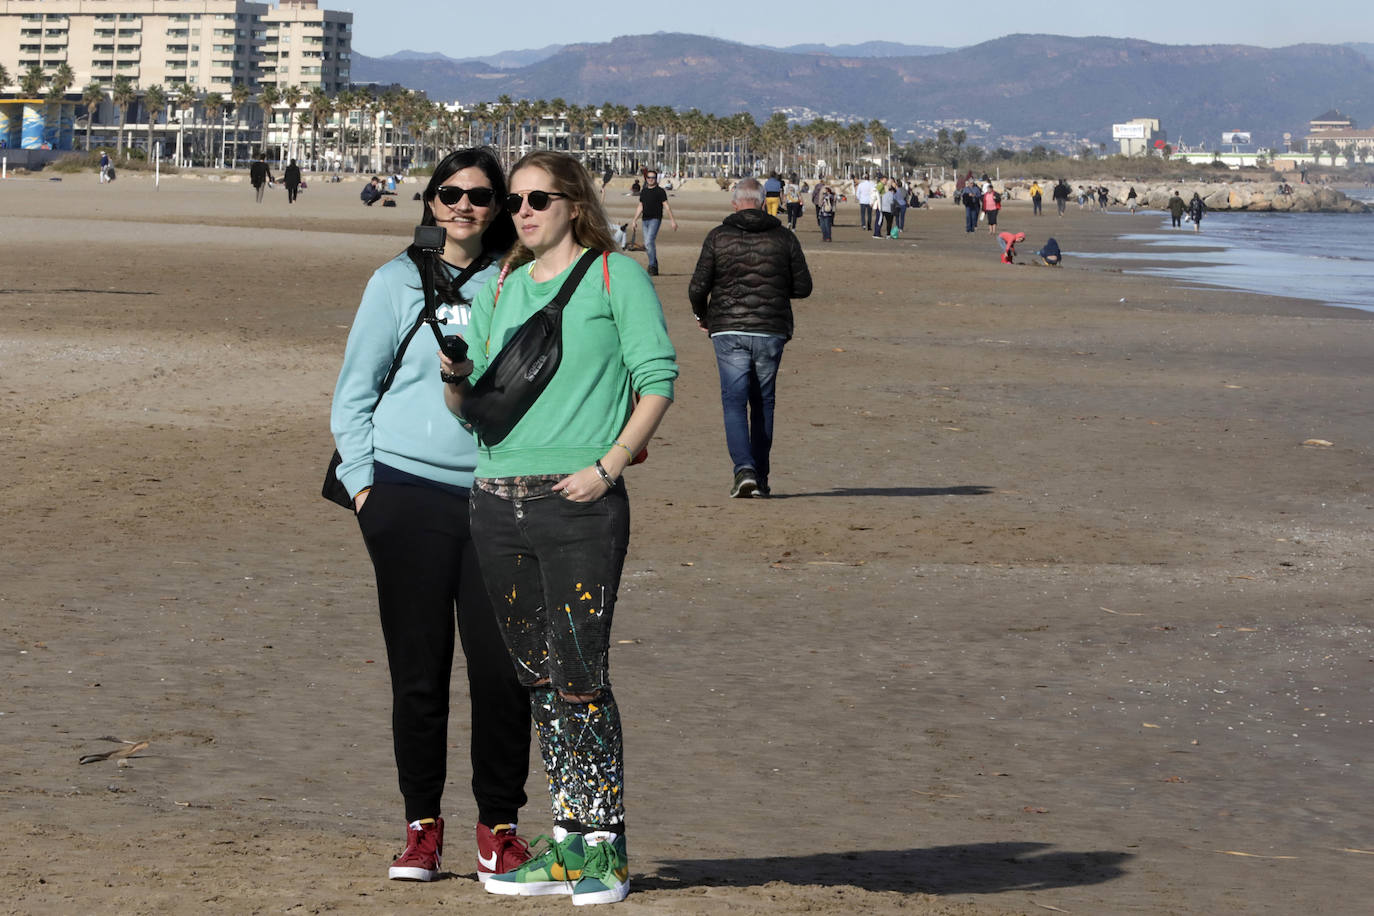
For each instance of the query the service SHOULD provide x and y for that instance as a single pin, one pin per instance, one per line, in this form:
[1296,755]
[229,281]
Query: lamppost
[223,135]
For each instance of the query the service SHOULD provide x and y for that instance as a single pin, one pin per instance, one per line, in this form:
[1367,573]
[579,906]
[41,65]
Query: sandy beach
[1053,609]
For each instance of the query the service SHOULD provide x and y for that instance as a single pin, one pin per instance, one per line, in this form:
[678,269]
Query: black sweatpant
[422,552]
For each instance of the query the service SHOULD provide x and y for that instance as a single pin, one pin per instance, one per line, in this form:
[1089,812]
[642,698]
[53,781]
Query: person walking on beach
[1036,195]
[653,203]
[291,177]
[409,466]
[259,175]
[741,293]
[863,191]
[1176,209]
[550,511]
[1061,196]
[825,210]
[992,205]
[1131,198]
[884,203]
[792,200]
[1195,210]
[972,198]
[104,167]
[772,193]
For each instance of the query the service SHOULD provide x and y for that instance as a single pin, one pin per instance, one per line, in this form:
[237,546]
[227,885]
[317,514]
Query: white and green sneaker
[605,870]
[553,871]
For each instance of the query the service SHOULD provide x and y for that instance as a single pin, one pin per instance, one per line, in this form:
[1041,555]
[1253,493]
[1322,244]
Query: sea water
[1327,257]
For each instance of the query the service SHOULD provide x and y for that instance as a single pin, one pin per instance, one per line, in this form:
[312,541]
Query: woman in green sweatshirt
[550,512]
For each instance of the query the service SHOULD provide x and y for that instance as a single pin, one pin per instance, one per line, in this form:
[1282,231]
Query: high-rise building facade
[209,44]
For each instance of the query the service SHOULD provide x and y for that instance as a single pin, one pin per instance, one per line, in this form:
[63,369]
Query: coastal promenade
[1060,605]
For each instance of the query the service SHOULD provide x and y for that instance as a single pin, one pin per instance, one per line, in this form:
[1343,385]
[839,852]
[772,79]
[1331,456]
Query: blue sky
[461,29]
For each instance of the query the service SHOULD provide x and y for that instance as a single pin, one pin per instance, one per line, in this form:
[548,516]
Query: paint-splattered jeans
[552,567]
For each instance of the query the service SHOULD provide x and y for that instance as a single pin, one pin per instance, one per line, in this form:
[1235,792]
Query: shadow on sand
[978,868]
[969,490]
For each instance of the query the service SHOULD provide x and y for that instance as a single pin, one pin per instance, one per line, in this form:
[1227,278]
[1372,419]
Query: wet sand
[1053,609]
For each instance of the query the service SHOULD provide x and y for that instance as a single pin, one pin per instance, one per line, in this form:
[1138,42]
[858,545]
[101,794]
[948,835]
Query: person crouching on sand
[1008,241]
[1049,254]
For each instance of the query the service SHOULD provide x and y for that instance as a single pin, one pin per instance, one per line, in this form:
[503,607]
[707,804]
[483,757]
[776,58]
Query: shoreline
[1049,567]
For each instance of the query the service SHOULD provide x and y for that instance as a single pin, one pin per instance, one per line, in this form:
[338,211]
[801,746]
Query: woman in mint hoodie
[408,465]
[550,513]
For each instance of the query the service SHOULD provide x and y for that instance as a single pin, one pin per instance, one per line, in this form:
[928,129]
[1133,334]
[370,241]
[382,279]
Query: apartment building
[209,44]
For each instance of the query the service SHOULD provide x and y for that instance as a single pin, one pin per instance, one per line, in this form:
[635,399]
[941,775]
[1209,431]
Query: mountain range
[1016,91]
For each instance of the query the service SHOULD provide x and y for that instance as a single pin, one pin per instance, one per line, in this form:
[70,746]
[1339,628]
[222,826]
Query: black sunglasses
[450,194]
[539,200]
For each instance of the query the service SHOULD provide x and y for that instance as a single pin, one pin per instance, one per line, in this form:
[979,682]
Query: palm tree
[213,104]
[123,93]
[31,83]
[321,108]
[344,105]
[154,101]
[502,111]
[375,113]
[291,95]
[882,138]
[386,106]
[186,100]
[267,101]
[91,97]
[4,77]
[60,81]
[241,96]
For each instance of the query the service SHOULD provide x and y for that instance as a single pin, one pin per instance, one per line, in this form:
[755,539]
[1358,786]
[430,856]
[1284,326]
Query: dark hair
[497,239]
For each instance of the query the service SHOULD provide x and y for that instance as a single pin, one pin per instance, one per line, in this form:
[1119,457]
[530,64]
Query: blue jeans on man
[651,227]
[866,215]
[748,366]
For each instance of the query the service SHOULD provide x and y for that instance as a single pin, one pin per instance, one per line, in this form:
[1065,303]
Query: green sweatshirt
[613,343]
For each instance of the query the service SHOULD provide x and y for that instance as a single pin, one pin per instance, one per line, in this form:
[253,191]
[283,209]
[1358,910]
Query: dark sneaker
[553,871]
[745,485]
[653,270]
[765,490]
[605,872]
[499,850]
[424,846]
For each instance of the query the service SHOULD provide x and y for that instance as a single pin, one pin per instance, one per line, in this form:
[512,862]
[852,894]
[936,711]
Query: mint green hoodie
[612,344]
[412,430]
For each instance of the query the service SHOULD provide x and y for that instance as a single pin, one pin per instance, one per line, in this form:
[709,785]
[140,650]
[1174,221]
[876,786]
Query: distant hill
[1021,87]
[866,49]
[1363,47]
[500,59]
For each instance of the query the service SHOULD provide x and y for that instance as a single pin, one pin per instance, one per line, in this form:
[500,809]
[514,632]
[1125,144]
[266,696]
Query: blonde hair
[591,229]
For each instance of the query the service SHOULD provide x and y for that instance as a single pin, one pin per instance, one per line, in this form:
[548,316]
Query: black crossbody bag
[523,368]
[333,489]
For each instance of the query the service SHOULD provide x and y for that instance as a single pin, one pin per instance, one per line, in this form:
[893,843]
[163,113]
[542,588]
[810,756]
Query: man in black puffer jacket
[750,270]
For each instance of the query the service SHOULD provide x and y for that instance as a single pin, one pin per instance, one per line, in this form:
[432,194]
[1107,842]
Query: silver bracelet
[601,472]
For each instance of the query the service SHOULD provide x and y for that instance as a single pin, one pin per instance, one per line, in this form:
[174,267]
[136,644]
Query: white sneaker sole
[745,490]
[613,895]
[407,873]
[527,889]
